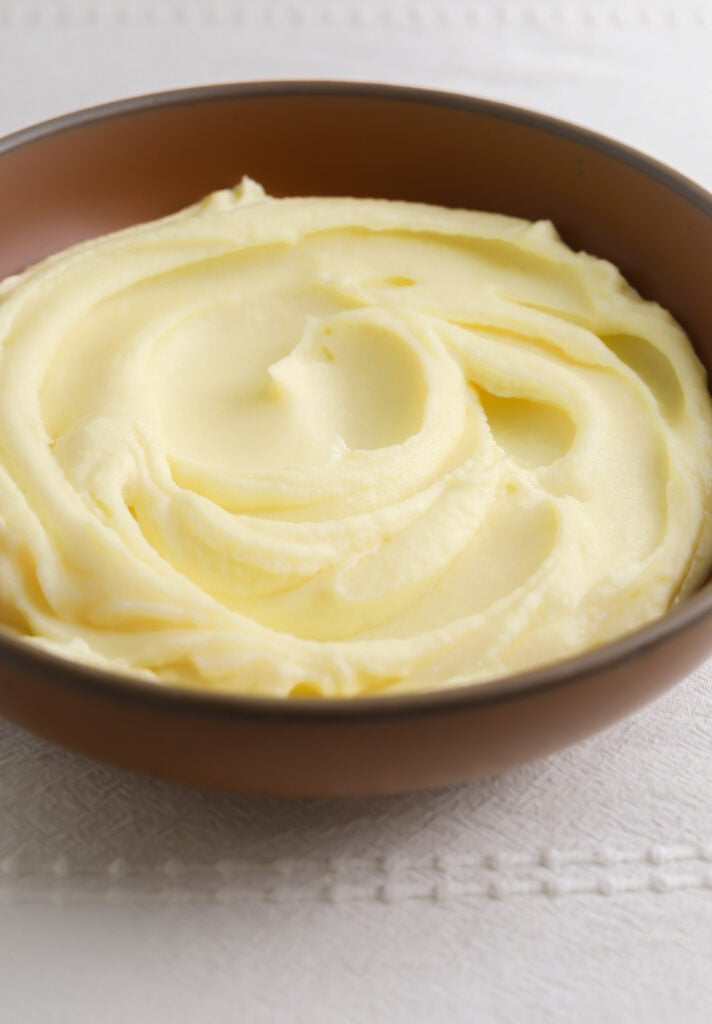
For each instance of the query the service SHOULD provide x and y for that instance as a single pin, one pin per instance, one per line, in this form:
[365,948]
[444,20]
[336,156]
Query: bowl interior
[132,161]
[138,160]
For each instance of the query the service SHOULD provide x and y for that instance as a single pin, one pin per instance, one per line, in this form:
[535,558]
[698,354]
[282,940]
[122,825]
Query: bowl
[115,165]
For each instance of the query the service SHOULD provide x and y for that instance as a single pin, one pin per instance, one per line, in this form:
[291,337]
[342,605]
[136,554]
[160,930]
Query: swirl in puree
[336,447]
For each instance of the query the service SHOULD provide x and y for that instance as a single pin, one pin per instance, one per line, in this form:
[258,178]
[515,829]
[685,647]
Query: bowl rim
[266,88]
[19,652]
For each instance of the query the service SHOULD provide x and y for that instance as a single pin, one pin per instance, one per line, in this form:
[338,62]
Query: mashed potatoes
[337,447]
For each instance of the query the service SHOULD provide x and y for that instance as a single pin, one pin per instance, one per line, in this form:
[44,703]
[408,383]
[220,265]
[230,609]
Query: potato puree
[337,447]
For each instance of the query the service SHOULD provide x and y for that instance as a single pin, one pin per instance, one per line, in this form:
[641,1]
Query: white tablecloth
[577,889]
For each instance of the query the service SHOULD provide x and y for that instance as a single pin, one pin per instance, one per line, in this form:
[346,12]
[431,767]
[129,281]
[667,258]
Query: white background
[577,889]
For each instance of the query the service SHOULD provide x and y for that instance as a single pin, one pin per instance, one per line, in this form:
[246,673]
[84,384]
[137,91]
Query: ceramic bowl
[115,165]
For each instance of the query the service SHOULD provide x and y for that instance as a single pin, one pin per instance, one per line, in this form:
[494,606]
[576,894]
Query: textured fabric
[578,888]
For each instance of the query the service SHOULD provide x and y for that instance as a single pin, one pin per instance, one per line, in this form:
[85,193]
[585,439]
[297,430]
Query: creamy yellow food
[338,447]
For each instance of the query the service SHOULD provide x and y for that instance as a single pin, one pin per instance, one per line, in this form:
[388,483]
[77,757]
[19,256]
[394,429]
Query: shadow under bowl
[109,167]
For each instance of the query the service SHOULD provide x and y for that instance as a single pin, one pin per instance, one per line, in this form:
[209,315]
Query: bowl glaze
[106,168]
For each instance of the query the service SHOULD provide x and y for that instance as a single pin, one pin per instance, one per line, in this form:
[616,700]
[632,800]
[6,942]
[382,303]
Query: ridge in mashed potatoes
[337,447]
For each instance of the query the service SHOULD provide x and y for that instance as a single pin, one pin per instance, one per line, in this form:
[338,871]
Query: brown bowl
[102,169]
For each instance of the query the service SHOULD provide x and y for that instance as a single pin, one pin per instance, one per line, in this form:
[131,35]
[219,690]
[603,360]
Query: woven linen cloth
[575,889]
